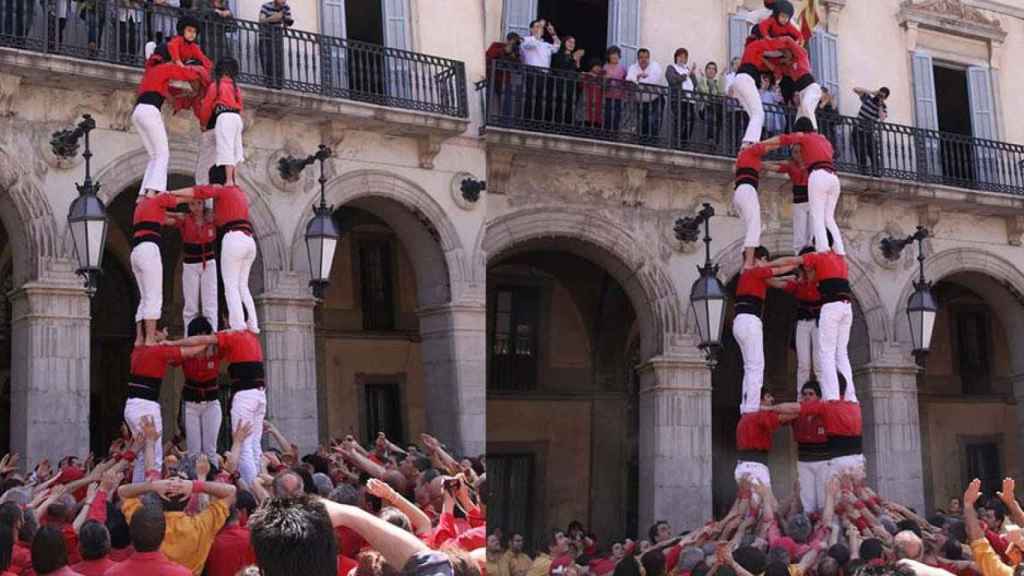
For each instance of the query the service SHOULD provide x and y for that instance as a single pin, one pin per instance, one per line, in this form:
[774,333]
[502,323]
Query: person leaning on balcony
[680,75]
[710,84]
[650,100]
[504,81]
[218,22]
[615,74]
[865,131]
[275,16]
[536,52]
[567,60]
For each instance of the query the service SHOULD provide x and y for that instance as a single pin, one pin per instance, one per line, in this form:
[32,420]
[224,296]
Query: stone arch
[127,169]
[421,224]
[27,216]
[876,315]
[1004,290]
[606,243]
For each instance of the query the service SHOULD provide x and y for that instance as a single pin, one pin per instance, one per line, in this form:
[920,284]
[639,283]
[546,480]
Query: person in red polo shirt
[148,368]
[804,287]
[238,249]
[794,67]
[231,550]
[745,198]
[812,453]
[803,235]
[199,266]
[754,441]
[822,183]
[244,354]
[747,328]
[147,262]
[747,82]
[147,527]
[202,406]
[221,111]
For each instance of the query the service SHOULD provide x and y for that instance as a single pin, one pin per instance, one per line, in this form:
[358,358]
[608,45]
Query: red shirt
[748,165]
[798,176]
[804,291]
[753,53]
[800,65]
[121,554]
[71,474]
[152,361]
[244,354]
[150,564]
[558,565]
[672,558]
[150,214]
[770,28]
[231,551]
[223,92]
[21,558]
[827,265]
[753,283]
[200,378]
[602,566]
[754,431]
[94,567]
[157,77]
[182,50]
[350,543]
[809,432]
[198,238]
[230,203]
[345,565]
[840,418]
[815,149]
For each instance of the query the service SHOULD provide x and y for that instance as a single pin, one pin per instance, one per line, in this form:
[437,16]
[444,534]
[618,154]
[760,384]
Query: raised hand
[1006,495]
[111,480]
[381,490]
[149,431]
[972,493]
[242,431]
[202,466]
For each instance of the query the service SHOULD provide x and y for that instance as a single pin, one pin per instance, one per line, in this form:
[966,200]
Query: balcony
[286,71]
[553,112]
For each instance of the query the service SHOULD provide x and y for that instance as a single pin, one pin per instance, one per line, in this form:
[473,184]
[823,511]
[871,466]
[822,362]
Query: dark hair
[776,568]
[653,563]
[828,566]
[549,540]
[345,494]
[49,552]
[652,532]
[806,250]
[147,528]
[908,525]
[512,36]
[10,514]
[871,549]
[627,567]
[951,550]
[711,63]
[294,536]
[535,20]
[117,526]
[612,50]
[765,391]
[957,530]
[812,385]
[751,559]
[998,509]
[803,125]
[93,540]
[643,51]
[680,51]
[884,90]
[199,325]
[762,252]
[318,462]
[27,532]
[840,553]
[422,463]
[218,175]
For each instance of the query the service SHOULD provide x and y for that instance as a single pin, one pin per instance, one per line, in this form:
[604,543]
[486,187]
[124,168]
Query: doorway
[364,22]
[953,108]
[586,20]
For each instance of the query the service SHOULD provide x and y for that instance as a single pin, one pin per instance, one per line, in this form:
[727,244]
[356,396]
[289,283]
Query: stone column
[50,375]
[675,442]
[454,366]
[288,331]
[892,431]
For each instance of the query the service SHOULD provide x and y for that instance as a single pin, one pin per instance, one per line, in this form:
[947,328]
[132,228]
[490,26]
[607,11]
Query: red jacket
[230,205]
[150,214]
[753,53]
[798,68]
[751,290]
[770,28]
[815,149]
[754,431]
[157,78]
[840,418]
[182,50]
[197,238]
[749,164]
[231,551]
[222,92]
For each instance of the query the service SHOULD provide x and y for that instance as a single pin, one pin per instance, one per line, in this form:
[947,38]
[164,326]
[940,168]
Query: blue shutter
[823,48]
[518,15]
[925,114]
[739,29]
[624,28]
[397,35]
[979,88]
[334,68]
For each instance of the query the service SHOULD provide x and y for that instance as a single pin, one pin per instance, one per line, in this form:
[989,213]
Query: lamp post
[87,216]
[707,296]
[921,306]
[321,233]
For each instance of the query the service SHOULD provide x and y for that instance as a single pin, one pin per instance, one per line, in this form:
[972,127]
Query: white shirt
[654,74]
[536,52]
[729,77]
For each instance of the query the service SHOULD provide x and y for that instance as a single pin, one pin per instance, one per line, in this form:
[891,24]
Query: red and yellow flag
[809,19]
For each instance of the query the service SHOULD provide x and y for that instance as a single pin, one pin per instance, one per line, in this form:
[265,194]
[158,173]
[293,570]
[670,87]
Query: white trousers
[809,98]
[846,464]
[228,130]
[237,254]
[744,89]
[249,406]
[202,425]
[803,235]
[813,477]
[756,472]
[823,197]
[747,330]
[833,339]
[199,283]
[207,157]
[148,267]
[134,410]
[806,350]
[149,123]
[748,206]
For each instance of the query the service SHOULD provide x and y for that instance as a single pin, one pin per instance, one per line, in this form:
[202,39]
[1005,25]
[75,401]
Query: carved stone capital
[833,8]
[951,17]
[634,178]
[499,168]
[429,147]
[10,85]
[1015,230]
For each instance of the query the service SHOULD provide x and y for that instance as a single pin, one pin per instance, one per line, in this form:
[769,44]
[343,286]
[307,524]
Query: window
[384,411]
[512,338]
[983,464]
[510,480]
[377,289]
[973,338]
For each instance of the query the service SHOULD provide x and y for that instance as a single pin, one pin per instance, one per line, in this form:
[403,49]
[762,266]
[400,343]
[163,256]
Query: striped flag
[809,19]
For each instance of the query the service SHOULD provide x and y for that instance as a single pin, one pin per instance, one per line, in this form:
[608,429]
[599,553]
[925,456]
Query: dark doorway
[983,463]
[364,22]
[511,478]
[384,411]
[953,106]
[587,20]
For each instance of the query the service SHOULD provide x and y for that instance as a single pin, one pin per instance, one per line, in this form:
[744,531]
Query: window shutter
[739,29]
[334,67]
[925,114]
[983,124]
[397,35]
[624,28]
[823,49]
[518,15]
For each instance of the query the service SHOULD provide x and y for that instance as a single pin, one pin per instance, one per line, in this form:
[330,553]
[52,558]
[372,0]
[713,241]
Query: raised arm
[420,521]
[395,544]
[1008,498]
[363,463]
[286,446]
[971,495]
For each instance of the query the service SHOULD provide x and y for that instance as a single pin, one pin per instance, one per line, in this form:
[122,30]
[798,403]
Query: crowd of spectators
[856,534]
[344,509]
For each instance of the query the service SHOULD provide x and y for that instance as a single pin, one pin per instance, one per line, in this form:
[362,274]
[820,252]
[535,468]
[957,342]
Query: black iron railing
[117,31]
[594,107]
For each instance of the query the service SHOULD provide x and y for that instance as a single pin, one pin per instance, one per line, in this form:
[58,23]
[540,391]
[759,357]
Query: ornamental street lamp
[87,216]
[921,306]
[321,233]
[707,296]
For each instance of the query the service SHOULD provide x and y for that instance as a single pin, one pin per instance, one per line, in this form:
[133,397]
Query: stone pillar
[50,375]
[454,367]
[288,331]
[892,431]
[1017,385]
[675,442]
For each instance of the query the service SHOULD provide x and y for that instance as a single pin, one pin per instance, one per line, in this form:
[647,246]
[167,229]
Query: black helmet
[226,66]
[199,325]
[187,21]
[783,7]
